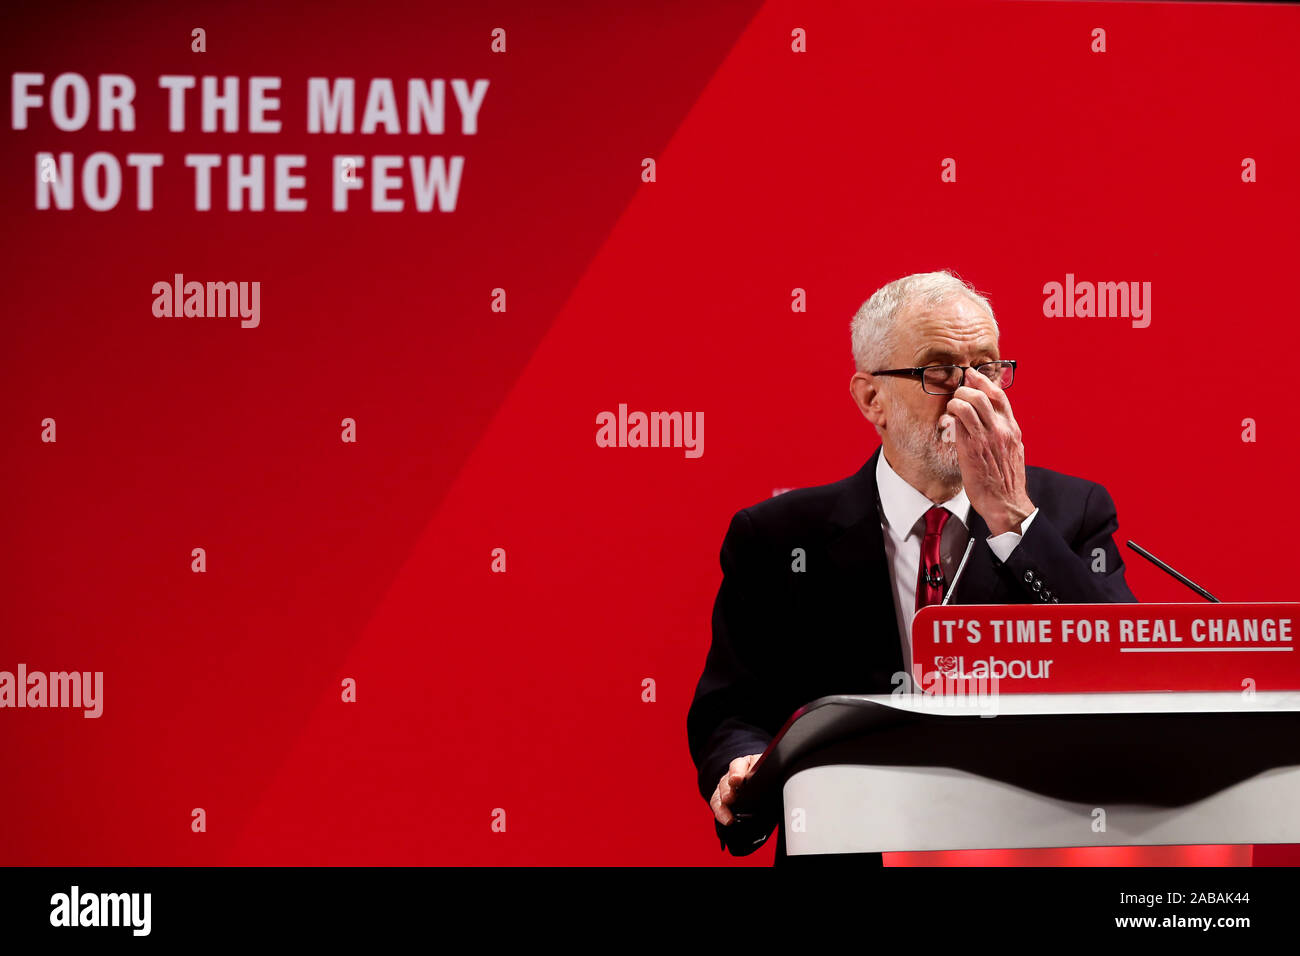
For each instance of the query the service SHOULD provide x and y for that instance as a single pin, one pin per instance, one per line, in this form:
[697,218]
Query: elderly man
[886,541]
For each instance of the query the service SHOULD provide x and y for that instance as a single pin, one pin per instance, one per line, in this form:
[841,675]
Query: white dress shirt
[902,520]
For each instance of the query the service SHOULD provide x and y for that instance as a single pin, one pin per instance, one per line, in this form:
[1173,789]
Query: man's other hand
[725,794]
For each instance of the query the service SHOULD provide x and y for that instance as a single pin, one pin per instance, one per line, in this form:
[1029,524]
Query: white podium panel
[861,809]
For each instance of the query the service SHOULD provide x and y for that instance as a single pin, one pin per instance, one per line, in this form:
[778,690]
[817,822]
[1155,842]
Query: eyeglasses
[946,379]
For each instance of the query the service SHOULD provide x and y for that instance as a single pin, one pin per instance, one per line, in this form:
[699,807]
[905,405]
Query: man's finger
[736,783]
[947,427]
[720,811]
[967,452]
[997,396]
[962,410]
[738,771]
[983,406]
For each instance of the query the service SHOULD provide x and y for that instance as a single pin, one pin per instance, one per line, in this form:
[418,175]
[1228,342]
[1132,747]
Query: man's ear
[866,393]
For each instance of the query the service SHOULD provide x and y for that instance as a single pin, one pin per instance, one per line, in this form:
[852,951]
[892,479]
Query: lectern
[909,771]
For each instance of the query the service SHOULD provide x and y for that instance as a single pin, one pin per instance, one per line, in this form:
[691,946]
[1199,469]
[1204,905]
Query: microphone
[1164,567]
[957,575]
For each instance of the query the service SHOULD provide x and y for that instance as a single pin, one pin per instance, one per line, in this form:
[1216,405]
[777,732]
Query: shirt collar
[904,506]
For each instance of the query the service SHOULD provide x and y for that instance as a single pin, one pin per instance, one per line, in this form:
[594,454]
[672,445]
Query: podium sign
[1071,648]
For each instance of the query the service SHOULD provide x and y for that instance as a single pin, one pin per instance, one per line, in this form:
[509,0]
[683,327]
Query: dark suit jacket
[782,639]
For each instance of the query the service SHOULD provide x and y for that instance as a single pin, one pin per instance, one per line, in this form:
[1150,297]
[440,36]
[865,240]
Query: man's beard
[924,444]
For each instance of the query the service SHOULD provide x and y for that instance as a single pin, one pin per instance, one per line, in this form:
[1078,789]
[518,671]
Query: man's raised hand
[991,454]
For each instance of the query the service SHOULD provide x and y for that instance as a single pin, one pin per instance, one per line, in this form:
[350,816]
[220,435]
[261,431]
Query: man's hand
[990,453]
[725,794]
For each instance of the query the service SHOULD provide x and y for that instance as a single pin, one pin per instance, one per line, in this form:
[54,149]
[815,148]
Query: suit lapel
[857,550]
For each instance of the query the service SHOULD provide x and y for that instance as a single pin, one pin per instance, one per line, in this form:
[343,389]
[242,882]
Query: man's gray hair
[875,326]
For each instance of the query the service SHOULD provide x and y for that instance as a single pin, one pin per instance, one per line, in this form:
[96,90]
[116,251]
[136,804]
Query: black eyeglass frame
[920,370]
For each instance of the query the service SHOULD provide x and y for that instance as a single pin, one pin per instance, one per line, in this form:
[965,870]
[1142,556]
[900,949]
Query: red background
[476,429]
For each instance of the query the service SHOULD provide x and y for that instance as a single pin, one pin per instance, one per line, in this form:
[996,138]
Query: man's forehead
[951,330]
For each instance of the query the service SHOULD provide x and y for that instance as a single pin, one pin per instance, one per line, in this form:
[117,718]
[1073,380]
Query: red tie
[929,578]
